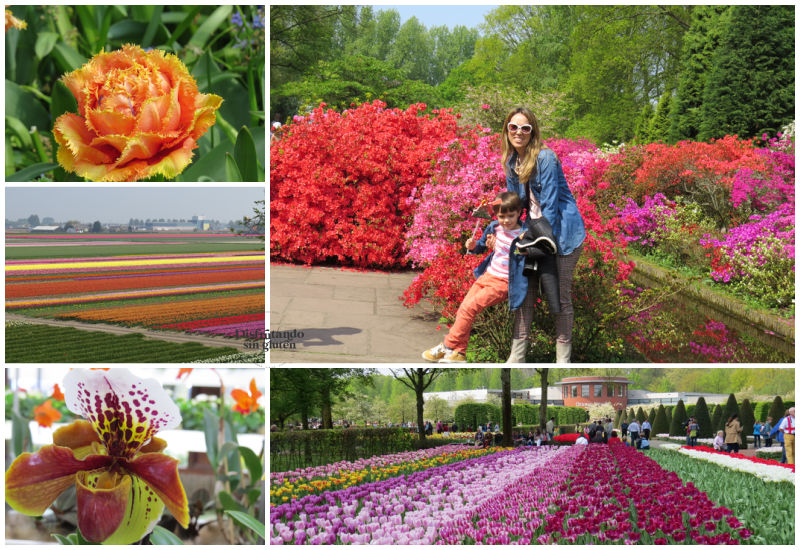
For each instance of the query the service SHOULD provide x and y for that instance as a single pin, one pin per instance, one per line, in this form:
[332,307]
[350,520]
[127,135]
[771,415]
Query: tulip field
[456,494]
[207,284]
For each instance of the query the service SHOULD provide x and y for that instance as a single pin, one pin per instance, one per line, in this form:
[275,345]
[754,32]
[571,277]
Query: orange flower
[57,393]
[245,403]
[45,414]
[12,21]
[187,372]
[139,114]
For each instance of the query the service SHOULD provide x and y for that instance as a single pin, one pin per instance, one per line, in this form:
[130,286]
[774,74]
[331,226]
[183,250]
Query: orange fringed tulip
[12,21]
[139,114]
[246,403]
[45,414]
[122,479]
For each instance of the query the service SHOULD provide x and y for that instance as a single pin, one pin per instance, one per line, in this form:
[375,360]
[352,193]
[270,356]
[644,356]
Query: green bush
[472,414]
[290,450]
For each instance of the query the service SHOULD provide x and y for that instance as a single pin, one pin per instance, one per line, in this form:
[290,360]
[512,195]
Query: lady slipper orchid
[139,114]
[123,480]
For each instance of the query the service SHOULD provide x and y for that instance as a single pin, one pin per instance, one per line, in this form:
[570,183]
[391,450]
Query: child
[719,441]
[492,285]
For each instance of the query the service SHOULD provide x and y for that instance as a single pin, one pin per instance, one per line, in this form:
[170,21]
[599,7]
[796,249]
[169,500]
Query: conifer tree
[641,128]
[668,411]
[750,88]
[651,416]
[703,419]
[776,410]
[731,408]
[659,124]
[678,419]
[660,424]
[747,419]
[640,416]
[717,422]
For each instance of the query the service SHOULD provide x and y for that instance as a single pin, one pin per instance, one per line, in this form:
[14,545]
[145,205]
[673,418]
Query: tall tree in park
[292,391]
[678,419]
[641,127]
[699,43]
[747,420]
[618,418]
[330,383]
[418,380]
[703,418]
[731,408]
[641,416]
[750,88]
[402,407]
[651,416]
[622,57]
[776,410]
[543,407]
[505,377]
[660,425]
[659,124]
[717,420]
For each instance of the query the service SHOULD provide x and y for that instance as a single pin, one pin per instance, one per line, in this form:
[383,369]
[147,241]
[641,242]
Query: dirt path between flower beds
[346,317]
[176,337]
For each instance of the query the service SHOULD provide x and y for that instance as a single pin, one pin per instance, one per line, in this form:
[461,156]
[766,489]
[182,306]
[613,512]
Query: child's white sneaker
[453,356]
[435,353]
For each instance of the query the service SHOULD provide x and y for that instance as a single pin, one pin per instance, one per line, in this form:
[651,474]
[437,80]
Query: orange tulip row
[155,314]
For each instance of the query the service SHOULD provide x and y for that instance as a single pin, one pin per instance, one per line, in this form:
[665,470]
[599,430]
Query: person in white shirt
[633,429]
[492,285]
[646,427]
[581,440]
[787,426]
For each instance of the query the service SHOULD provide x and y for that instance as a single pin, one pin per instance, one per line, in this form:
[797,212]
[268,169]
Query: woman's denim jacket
[558,205]
[517,281]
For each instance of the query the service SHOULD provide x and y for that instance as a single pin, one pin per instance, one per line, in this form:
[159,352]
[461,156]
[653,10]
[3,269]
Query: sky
[120,204]
[435,16]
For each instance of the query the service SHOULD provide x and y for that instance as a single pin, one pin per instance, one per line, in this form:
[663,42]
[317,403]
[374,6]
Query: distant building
[185,227]
[528,395]
[45,229]
[585,391]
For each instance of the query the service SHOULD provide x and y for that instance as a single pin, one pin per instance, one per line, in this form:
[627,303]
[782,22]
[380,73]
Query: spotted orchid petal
[160,473]
[125,411]
[34,480]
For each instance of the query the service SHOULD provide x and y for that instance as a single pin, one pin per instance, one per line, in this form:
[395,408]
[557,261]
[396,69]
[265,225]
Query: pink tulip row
[307,474]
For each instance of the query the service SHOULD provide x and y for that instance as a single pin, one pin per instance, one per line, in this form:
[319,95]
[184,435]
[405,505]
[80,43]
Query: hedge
[300,449]
[469,415]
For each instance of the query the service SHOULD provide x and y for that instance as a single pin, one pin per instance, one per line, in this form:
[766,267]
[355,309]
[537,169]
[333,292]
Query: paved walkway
[346,317]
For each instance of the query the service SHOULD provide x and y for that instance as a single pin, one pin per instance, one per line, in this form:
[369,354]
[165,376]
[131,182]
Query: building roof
[602,379]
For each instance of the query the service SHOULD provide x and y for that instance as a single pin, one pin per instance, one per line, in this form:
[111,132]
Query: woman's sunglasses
[525,128]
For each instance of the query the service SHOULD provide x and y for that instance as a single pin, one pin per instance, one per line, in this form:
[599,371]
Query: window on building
[585,390]
[622,390]
[610,390]
[598,390]
[575,391]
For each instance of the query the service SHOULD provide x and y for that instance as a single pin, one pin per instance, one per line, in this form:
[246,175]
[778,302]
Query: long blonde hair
[528,167]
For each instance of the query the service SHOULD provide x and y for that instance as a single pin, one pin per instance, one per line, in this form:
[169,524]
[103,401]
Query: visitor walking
[787,427]
[633,428]
[767,433]
[534,172]
[733,429]
[550,426]
[757,435]
[694,427]
[646,427]
[624,427]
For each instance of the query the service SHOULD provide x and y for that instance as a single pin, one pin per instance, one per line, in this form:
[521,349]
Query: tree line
[643,73]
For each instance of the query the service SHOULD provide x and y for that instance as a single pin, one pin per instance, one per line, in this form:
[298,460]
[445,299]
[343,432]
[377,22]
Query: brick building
[585,391]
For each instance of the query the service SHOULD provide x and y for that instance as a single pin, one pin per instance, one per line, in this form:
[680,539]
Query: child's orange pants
[487,291]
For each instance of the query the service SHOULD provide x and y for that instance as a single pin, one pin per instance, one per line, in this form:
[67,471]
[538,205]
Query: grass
[29,343]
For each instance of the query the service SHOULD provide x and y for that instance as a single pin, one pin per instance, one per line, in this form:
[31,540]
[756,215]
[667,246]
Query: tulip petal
[141,516]
[71,132]
[34,480]
[160,473]
[141,146]
[102,499]
[110,122]
[125,411]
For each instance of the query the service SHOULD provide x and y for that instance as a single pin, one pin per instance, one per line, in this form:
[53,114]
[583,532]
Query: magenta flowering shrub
[467,170]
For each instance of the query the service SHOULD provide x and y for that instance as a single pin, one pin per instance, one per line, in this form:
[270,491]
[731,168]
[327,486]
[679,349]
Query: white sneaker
[435,353]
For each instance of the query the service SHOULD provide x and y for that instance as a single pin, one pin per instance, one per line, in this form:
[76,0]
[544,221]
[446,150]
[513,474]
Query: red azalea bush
[339,182]
[566,438]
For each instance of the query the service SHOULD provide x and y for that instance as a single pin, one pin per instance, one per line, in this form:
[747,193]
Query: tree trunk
[420,408]
[327,415]
[543,405]
[505,377]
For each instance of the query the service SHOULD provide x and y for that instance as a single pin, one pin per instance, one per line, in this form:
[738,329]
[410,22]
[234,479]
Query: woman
[534,172]
[732,430]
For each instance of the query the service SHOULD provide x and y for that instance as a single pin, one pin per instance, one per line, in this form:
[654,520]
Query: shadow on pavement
[320,336]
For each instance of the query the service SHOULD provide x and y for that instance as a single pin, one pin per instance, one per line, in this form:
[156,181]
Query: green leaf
[248,521]
[259,114]
[126,29]
[67,58]
[44,43]
[162,536]
[152,26]
[231,170]
[184,24]
[61,539]
[62,101]
[18,128]
[244,152]
[20,432]
[32,172]
[229,503]
[211,428]
[211,165]
[24,105]
[88,27]
[253,464]
[209,26]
